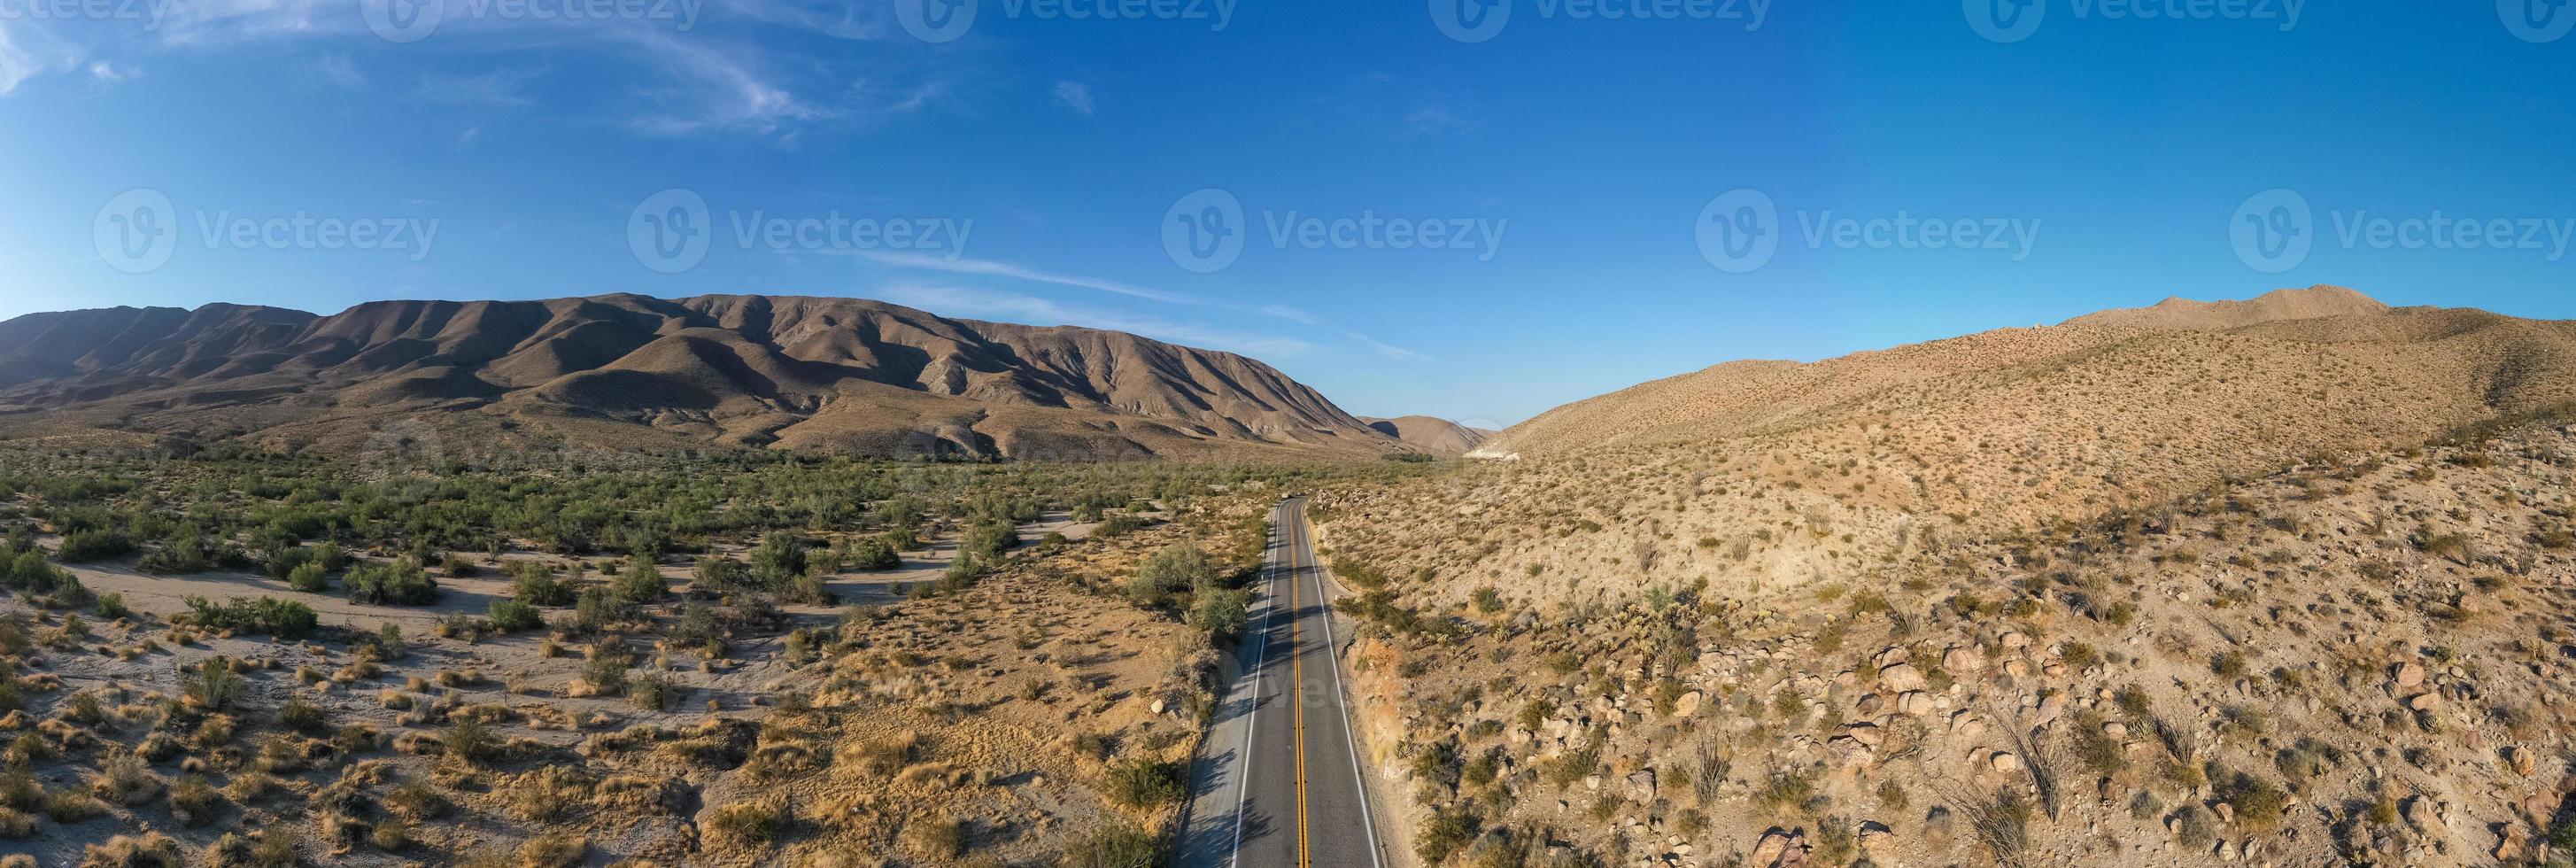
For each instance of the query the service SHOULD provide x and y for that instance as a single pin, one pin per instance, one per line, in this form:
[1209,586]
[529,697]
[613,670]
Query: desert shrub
[874,554]
[303,715]
[757,822]
[216,686]
[455,566]
[471,740]
[85,546]
[112,606]
[401,583]
[936,838]
[511,615]
[1448,831]
[1118,525]
[1176,568]
[284,619]
[309,578]
[2002,824]
[2260,805]
[1145,783]
[194,800]
[606,668]
[779,559]
[1220,612]
[1118,846]
[641,583]
[533,584]
[149,850]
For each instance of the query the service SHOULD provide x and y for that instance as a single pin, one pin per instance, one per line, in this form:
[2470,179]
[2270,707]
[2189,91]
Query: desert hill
[830,374]
[1430,434]
[2023,424]
[2270,582]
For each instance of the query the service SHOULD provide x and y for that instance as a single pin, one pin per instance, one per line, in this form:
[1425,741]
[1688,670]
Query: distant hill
[826,374]
[1429,434]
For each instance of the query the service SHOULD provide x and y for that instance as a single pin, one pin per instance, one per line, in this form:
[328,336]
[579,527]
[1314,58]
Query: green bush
[641,583]
[512,615]
[309,578]
[284,619]
[401,583]
[537,586]
[85,546]
[1145,783]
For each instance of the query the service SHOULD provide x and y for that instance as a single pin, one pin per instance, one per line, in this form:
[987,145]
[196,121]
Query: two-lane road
[1278,782]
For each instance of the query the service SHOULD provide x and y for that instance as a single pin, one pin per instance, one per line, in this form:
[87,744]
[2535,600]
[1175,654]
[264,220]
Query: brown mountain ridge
[627,371]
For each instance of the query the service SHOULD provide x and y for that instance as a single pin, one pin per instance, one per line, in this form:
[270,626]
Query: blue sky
[1573,166]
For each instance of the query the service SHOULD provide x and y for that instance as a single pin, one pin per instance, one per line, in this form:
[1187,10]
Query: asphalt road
[1277,783]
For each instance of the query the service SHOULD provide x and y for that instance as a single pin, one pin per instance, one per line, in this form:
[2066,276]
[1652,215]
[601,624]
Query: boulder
[2005,761]
[1914,703]
[1902,677]
[1962,660]
[2409,676]
[2425,702]
[1879,844]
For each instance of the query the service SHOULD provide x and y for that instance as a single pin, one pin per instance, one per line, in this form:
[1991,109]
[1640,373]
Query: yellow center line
[1297,673]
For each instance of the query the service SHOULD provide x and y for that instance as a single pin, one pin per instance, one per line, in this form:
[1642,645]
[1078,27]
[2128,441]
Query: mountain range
[824,374]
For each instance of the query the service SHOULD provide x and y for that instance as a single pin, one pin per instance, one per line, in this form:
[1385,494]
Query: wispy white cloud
[753,70]
[988,268]
[1380,347]
[110,72]
[1075,96]
[1014,307]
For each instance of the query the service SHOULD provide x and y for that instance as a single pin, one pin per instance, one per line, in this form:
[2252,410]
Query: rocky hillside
[1430,434]
[2361,658]
[809,373]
